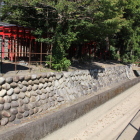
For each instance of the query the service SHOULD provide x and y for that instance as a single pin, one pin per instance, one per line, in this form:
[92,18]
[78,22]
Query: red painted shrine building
[15,41]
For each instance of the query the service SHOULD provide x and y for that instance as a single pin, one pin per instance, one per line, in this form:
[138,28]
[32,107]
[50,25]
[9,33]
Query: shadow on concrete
[137,136]
[137,72]
[7,67]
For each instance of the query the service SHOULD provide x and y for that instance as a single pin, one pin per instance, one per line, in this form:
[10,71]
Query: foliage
[76,22]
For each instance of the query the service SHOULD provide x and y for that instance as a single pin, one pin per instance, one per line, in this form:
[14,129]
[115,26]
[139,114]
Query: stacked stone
[23,96]
[72,85]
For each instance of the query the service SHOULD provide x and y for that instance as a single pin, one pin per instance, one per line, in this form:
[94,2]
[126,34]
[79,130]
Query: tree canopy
[77,21]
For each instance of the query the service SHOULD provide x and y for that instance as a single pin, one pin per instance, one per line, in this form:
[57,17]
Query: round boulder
[2,80]
[4,121]
[9,80]
[2,92]
[10,91]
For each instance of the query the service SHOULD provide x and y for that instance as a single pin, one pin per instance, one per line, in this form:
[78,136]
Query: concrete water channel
[117,119]
[84,91]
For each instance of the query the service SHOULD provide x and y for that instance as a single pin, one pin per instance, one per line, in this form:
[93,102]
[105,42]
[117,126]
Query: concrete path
[118,119]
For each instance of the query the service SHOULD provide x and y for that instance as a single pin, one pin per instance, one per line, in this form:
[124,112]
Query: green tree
[128,39]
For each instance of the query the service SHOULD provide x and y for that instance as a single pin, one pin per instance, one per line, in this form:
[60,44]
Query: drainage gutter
[39,128]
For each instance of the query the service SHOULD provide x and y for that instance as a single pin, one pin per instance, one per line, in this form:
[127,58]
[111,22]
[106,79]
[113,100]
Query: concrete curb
[39,128]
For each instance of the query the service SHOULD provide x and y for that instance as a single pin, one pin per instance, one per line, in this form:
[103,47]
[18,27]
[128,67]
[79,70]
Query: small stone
[6,86]
[54,78]
[31,112]
[38,104]
[1,107]
[19,116]
[7,106]
[43,90]
[60,99]
[2,101]
[12,118]
[49,84]
[30,82]
[40,109]
[13,85]
[21,78]
[25,107]
[9,80]
[29,88]
[50,79]
[16,79]
[31,105]
[49,104]
[20,86]
[40,86]
[45,85]
[7,99]
[26,100]
[33,77]
[2,92]
[50,94]
[43,102]
[13,111]
[38,92]
[19,82]
[28,94]
[36,81]
[59,75]
[14,97]
[2,80]
[10,91]
[35,110]
[48,89]
[43,96]
[56,83]
[41,80]
[53,98]
[44,75]
[14,104]
[52,74]
[21,95]
[37,98]
[5,114]
[52,103]
[38,76]
[4,121]
[47,95]
[16,90]
[48,75]
[27,78]
[26,113]
[20,110]
[25,83]
[50,99]
[24,89]
[45,107]
[35,87]
[20,102]
[46,79]
[33,93]
[51,88]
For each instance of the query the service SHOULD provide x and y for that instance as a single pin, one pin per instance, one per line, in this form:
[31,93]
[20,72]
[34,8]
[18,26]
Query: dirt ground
[8,68]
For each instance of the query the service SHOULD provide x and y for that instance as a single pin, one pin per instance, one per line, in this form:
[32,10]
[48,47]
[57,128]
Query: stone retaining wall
[24,96]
